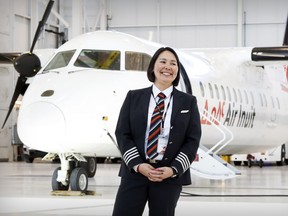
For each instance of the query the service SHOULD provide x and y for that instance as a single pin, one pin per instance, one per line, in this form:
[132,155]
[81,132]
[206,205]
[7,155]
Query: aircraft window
[229,93]
[261,99]
[61,59]
[202,89]
[240,95]
[136,61]
[252,97]
[235,95]
[217,91]
[246,97]
[223,92]
[99,59]
[265,100]
[211,90]
[272,100]
[278,103]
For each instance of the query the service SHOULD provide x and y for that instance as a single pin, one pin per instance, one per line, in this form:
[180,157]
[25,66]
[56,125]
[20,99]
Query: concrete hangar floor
[25,189]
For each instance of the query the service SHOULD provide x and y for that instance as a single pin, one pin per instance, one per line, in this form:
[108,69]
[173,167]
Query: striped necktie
[155,127]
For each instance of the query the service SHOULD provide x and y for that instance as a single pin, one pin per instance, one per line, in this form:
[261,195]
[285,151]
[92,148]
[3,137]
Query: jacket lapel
[177,103]
[142,122]
[145,100]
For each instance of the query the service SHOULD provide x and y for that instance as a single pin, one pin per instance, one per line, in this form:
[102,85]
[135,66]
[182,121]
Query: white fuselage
[75,109]
[248,98]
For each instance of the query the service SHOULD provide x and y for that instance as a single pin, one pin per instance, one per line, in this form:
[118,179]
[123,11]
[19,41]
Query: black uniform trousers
[134,193]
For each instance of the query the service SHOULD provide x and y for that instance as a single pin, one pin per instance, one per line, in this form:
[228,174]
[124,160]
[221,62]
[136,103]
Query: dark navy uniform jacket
[184,137]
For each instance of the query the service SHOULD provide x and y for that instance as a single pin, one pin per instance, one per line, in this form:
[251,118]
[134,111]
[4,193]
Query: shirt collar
[167,91]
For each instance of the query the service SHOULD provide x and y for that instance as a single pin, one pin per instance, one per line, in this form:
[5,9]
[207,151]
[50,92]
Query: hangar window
[136,61]
[60,60]
[99,59]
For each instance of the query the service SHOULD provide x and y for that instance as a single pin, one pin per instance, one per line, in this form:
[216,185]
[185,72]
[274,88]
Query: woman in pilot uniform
[158,133]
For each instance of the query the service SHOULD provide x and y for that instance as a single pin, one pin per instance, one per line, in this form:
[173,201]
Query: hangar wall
[198,23]
[184,23]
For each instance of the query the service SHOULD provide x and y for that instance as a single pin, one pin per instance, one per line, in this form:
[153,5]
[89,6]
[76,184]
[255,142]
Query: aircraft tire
[58,185]
[282,159]
[261,163]
[79,179]
[90,166]
[28,159]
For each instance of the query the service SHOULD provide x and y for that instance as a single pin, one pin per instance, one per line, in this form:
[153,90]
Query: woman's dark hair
[150,70]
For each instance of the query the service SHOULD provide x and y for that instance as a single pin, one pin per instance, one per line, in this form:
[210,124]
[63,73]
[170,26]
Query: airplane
[71,106]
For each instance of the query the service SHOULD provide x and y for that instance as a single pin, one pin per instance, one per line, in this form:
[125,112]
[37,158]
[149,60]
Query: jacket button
[170,143]
[171,127]
[166,158]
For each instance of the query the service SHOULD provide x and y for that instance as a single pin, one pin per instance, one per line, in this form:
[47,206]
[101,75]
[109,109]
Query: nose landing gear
[74,172]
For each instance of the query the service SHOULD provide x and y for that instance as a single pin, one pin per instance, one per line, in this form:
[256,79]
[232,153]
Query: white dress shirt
[166,114]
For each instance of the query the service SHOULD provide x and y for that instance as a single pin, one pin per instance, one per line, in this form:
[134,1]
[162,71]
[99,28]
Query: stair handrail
[205,114]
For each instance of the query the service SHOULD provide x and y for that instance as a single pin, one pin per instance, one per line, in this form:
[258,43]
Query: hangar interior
[179,24]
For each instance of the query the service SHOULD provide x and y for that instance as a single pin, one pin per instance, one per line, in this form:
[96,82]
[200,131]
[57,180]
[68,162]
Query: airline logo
[231,116]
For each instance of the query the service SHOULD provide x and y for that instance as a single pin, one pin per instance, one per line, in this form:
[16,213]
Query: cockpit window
[136,61]
[61,59]
[99,59]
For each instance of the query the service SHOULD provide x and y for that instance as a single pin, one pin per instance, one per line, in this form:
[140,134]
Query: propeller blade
[19,89]
[285,41]
[42,23]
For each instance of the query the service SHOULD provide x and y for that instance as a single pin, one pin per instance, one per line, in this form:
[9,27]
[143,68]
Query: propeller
[272,53]
[28,64]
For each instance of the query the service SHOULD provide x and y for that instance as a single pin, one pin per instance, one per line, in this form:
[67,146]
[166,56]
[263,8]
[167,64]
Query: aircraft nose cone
[42,126]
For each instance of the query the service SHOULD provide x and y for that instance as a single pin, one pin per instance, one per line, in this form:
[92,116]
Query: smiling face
[165,69]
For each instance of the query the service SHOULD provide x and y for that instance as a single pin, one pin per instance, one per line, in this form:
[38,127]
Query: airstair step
[212,166]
